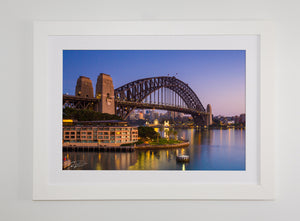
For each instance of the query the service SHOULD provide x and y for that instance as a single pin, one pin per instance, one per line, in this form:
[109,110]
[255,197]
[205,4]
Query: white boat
[183,158]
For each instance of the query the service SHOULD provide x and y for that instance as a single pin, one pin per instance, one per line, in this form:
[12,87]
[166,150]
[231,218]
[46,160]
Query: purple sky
[216,76]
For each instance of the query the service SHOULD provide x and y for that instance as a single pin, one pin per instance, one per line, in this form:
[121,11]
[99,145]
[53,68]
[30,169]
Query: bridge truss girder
[131,96]
[79,102]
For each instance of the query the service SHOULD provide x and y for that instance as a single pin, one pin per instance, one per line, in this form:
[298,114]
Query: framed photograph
[153,110]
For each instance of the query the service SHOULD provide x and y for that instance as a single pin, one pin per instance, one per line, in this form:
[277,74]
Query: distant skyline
[218,77]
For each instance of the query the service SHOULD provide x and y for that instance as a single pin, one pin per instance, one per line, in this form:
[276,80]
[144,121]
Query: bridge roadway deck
[77,98]
[160,107]
[141,105]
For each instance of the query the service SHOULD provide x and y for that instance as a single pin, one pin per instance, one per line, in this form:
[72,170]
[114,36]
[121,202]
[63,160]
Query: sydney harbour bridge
[163,93]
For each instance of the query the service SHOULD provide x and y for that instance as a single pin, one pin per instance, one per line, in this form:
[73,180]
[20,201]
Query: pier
[98,148]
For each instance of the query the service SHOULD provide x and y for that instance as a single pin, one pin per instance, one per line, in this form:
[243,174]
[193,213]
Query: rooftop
[100,123]
[104,121]
[84,77]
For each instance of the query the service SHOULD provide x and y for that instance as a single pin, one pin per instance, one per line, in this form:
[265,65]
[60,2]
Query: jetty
[98,148]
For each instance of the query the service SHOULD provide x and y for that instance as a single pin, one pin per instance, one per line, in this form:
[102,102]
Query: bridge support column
[209,115]
[199,120]
[84,87]
[105,92]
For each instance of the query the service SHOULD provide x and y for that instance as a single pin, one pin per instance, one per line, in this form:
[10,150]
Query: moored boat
[183,158]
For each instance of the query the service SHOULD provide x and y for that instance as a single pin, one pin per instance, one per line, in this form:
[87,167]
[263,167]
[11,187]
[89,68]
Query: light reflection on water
[208,150]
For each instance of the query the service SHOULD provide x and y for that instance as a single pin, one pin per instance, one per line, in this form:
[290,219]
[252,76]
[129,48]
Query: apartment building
[109,133]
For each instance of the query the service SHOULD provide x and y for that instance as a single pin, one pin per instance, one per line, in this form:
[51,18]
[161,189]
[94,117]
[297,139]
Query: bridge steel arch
[130,96]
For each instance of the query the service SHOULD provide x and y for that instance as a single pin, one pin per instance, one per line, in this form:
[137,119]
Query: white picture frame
[44,124]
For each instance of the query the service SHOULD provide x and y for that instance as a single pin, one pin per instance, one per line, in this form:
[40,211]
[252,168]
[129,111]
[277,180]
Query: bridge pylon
[209,115]
[84,87]
[105,94]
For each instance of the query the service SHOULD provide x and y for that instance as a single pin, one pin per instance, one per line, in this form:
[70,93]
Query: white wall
[16,22]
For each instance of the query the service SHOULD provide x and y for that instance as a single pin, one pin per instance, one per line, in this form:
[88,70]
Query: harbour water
[208,150]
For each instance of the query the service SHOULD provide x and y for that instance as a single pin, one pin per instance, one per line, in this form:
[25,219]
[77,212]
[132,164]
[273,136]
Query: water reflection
[209,150]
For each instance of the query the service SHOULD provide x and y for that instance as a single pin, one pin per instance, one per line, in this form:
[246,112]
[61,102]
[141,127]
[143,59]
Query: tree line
[87,115]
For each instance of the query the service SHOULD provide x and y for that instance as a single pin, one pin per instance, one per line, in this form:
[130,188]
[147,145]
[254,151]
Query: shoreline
[92,146]
[163,146]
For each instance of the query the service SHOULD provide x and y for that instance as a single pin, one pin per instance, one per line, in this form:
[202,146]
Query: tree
[175,135]
[168,133]
[87,115]
[171,131]
[161,129]
[147,132]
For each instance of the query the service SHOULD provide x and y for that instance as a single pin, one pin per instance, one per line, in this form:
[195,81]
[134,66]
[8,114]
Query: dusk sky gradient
[218,77]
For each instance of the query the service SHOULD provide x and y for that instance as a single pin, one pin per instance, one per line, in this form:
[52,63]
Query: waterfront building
[108,133]
[175,114]
[242,118]
[231,122]
[236,119]
[141,115]
[166,123]
[155,115]
[133,116]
